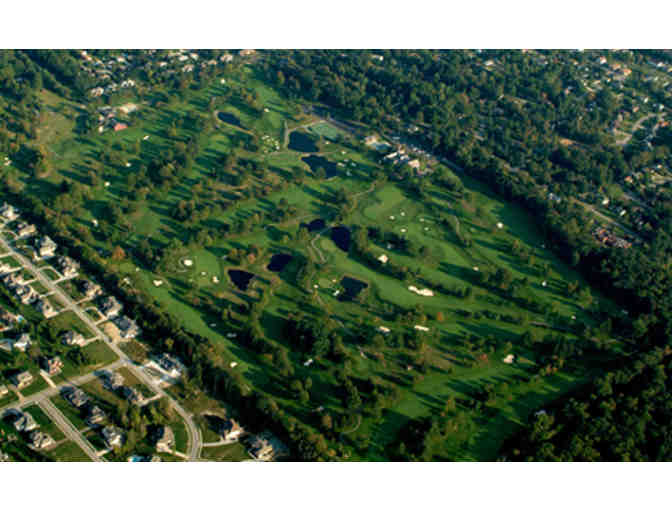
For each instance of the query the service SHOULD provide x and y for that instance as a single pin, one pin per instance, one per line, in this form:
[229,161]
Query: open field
[69,451]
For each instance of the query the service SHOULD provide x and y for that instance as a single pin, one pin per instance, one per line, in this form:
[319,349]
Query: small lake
[352,287]
[240,278]
[341,237]
[315,162]
[229,118]
[301,142]
[278,262]
[315,225]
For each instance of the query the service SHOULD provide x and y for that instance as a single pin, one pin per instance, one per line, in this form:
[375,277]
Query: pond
[278,262]
[301,142]
[352,287]
[229,118]
[315,162]
[240,278]
[341,237]
[315,225]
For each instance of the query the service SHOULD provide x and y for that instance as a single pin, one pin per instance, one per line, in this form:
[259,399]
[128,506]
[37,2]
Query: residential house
[96,416]
[261,449]
[4,390]
[246,53]
[69,268]
[51,365]
[40,440]
[266,447]
[231,430]
[13,280]
[25,294]
[8,318]
[112,437]
[25,423]
[22,379]
[91,289]
[9,212]
[164,439]
[226,58]
[75,396]
[132,395]
[110,307]
[46,247]
[113,380]
[73,338]
[45,308]
[171,364]
[21,344]
[127,327]
[24,229]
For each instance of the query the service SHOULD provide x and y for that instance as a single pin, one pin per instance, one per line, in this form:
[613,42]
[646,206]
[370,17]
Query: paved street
[68,429]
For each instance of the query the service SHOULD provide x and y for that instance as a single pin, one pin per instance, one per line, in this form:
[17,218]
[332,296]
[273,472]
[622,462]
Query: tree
[118,253]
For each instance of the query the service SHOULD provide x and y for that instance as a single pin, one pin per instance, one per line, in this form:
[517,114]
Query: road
[194,432]
[608,219]
[68,429]
[53,391]
[635,128]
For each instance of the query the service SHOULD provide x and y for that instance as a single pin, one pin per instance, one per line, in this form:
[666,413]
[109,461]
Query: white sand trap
[544,283]
[157,283]
[187,262]
[128,165]
[107,184]
[391,217]
[403,230]
[475,268]
[215,279]
[509,359]
[421,292]
[146,137]
[233,364]
[203,273]
[402,213]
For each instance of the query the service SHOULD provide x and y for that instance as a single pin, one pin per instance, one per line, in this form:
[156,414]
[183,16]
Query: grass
[181,435]
[68,321]
[69,411]
[69,451]
[228,453]
[99,355]
[45,423]
[36,386]
[50,273]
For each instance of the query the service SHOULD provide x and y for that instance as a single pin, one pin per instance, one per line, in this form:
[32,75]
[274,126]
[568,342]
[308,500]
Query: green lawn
[69,451]
[69,411]
[45,423]
[228,453]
